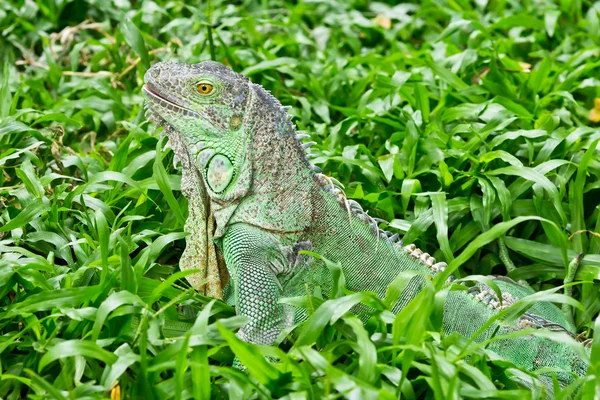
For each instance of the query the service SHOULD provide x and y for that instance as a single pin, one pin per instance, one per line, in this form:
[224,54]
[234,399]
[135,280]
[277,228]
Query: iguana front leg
[253,258]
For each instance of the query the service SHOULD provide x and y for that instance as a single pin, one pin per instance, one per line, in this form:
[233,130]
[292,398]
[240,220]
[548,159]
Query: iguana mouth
[155,97]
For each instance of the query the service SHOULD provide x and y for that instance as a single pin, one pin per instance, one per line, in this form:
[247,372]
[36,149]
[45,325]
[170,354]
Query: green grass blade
[72,348]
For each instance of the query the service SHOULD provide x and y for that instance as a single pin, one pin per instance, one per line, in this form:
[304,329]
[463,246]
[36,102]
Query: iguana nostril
[154,72]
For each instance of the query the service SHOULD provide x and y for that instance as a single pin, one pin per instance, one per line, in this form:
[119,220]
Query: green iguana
[255,201]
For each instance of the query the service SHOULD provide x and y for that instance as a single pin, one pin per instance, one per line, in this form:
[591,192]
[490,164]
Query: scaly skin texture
[253,193]
[200,252]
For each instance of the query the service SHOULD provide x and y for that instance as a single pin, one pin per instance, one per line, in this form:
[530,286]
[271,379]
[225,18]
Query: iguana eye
[204,88]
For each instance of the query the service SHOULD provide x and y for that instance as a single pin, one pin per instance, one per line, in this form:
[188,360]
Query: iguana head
[239,138]
[207,105]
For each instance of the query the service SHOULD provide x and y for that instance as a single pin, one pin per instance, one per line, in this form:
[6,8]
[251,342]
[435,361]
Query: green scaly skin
[253,193]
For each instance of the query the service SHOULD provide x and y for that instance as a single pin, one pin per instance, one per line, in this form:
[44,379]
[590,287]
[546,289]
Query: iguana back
[268,203]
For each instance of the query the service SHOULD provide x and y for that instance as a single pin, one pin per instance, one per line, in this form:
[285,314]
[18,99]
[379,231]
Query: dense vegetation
[470,126]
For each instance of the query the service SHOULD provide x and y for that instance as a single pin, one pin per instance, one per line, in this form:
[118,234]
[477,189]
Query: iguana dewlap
[253,193]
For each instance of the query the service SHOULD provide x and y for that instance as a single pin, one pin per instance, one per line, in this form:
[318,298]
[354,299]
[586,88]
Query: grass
[470,126]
